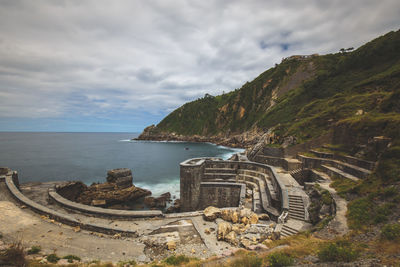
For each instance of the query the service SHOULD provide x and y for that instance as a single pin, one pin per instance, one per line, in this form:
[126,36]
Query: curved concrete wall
[64,218]
[101,211]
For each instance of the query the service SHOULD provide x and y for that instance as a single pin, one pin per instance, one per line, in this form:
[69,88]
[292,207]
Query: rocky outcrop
[117,190]
[322,204]
[243,140]
[158,202]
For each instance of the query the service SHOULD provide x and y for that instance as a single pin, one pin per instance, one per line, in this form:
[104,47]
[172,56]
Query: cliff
[301,98]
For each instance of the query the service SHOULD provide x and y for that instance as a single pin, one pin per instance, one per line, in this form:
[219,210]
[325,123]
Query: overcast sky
[122,65]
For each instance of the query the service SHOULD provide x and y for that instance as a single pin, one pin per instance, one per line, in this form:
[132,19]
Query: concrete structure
[269,193]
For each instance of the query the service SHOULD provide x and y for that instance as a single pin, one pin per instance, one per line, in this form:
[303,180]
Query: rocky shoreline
[244,140]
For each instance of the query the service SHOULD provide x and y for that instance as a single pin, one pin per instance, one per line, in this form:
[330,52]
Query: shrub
[176,260]
[247,260]
[53,258]
[34,250]
[278,259]
[14,255]
[391,232]
[338,251]
[71,258]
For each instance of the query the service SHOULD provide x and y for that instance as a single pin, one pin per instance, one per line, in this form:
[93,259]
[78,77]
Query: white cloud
[102,57]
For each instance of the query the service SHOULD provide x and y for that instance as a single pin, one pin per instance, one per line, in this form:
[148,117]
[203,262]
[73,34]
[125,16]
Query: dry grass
[14,255]
[299,245]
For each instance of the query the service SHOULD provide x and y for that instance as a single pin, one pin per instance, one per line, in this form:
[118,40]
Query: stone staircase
[296,208]
[288,231]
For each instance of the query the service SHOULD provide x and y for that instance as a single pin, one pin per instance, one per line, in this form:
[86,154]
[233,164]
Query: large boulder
[211,213]
[113,197]
[158,202]
[231,238]
[224,228]
[121,177]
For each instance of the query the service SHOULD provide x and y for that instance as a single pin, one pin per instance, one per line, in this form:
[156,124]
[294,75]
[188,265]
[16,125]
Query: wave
[172,186]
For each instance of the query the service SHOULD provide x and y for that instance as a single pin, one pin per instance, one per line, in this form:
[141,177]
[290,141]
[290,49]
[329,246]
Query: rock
[258,247]
[234,217]
[211,213]
[171,245]
[245,212]
[263,217]
[231,238]
[112,197]
[223,230]
[238,228]
[245,220]
[113,175]
[359,112]
[207,231]
[98,203]
[193,251]
[176,207]
[253,218]
[245,243]
[226,215]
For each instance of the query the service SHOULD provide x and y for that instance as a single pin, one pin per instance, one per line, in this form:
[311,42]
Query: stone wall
[221,195]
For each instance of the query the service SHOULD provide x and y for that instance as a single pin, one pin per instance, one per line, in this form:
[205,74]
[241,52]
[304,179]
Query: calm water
[87,157]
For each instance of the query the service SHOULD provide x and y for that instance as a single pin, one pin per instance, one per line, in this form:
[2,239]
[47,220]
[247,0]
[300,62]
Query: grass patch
[324,222]
[278,259]
[34,250]
[71,258]
[14,255]
[339,251]
[391,232]
[343,186]
[246,260]
[326,197]
[53,258]
[176,260]
[300,245]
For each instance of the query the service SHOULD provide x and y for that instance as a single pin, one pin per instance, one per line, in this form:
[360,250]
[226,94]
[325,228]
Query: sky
[121,65]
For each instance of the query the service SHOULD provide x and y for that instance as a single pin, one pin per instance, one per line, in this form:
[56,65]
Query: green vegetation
[278,259]
[71,258]
[341,251]
[176,260]
[247,260]
[356,91]
[34,250]
[391,232]
[53,258]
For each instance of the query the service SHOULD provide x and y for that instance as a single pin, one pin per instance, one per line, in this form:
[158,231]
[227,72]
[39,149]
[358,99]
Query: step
[296,209]
[331,171]
[365,164]
[289,230]
[219,175]
[296,217]
[351,169]
[296,212]
[219,170]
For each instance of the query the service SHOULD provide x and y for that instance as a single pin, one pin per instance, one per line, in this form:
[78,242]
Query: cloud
[111,59]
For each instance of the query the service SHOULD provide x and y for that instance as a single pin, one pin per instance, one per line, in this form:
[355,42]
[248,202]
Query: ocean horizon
[86,156]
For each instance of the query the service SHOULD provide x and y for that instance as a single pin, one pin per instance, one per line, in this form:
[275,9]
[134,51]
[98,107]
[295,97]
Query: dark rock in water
[176,207]
[159,202]
[117,190]
[113,175]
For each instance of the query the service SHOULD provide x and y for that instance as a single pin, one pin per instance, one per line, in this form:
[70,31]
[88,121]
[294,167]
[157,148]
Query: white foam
[172,186]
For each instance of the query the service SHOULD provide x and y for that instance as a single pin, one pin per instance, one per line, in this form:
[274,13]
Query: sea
[50,156]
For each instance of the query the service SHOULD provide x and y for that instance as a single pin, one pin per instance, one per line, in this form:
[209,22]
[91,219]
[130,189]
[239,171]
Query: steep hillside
[303,97]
